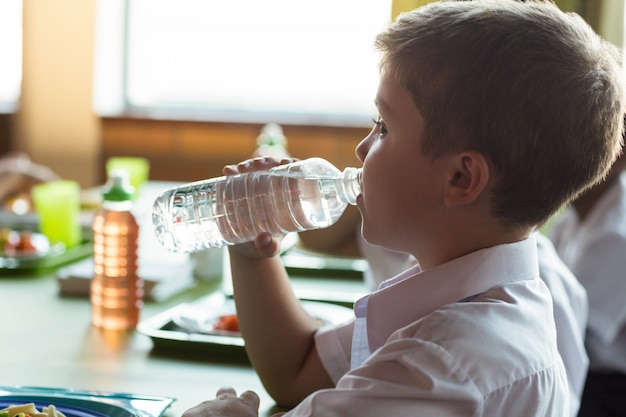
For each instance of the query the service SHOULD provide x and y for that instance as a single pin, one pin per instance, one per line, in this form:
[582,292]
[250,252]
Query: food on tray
[227,322]
[29,410]
[19,243]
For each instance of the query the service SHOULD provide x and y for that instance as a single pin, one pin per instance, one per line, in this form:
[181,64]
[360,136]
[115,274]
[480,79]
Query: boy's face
[400,193]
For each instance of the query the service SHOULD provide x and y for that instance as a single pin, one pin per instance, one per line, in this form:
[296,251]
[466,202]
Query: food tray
[55,258]
[77,403]
[169,335]
[300,261]
[315,276]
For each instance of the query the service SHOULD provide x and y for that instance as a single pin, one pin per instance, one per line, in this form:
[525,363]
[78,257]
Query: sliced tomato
[227,322]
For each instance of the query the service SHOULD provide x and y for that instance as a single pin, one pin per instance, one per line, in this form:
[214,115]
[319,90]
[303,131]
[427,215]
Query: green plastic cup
[58,207]
[138,169]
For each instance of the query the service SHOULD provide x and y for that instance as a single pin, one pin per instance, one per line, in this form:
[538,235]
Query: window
[10,54]
[245,60]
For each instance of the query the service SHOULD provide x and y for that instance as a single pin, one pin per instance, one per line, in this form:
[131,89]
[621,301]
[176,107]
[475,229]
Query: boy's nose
[363,147]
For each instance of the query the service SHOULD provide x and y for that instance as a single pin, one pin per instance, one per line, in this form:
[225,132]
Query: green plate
[56,257]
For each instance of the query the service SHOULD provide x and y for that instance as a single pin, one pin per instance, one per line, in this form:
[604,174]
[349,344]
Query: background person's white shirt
[595,251]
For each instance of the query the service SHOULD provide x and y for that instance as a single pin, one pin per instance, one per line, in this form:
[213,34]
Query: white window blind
[305,61]
[10,53]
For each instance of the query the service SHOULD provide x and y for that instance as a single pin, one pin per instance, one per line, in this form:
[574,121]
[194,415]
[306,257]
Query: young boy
[492,115]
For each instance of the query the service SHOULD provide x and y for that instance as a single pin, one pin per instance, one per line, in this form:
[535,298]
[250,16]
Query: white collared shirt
[474,336]
[569,301]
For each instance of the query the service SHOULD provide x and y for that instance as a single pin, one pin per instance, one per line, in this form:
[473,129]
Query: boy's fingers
[225,392]
[266,245]
[251,398]
[256,164]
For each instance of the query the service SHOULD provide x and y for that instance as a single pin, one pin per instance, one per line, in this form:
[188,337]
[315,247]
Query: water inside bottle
[236,209]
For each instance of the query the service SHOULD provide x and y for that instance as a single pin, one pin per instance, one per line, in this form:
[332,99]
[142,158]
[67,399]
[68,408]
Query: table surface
[48,341]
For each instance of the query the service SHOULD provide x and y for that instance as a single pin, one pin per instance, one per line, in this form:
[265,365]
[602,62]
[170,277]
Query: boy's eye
[380,126]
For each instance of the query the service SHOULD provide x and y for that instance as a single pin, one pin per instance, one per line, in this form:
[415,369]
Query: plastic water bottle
[116,289]
[303,195]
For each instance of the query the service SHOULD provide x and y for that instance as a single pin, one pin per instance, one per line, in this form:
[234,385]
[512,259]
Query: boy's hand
[227,404]
[264,245]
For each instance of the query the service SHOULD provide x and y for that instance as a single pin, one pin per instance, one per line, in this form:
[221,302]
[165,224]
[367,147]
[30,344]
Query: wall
[55,124]
[190,151]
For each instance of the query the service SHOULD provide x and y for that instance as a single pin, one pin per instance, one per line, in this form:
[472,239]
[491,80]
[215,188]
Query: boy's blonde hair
[529,86]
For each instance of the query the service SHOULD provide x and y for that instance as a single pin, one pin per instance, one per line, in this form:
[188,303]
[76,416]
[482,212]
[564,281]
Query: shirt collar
[413,294]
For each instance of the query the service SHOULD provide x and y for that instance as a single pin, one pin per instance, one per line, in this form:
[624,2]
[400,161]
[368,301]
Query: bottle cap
[118,186]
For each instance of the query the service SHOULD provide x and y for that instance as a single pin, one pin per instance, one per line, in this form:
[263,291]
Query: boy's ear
[468,178]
